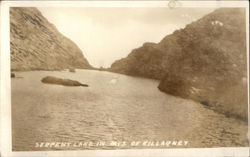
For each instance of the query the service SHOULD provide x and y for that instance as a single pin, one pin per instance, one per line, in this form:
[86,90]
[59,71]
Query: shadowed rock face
[36,44]
[64,82]
[205,61]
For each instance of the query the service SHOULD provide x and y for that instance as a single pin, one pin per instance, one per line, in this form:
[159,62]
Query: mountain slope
[36,44]
[205,61]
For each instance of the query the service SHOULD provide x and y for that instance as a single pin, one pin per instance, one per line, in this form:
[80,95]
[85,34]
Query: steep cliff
[36,44]
[205,61]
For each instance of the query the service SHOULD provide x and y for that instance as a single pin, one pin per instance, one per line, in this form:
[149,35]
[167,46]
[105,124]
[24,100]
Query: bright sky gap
[108,34]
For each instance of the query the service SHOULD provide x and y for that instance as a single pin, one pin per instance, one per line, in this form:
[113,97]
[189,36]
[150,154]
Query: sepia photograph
[121,78]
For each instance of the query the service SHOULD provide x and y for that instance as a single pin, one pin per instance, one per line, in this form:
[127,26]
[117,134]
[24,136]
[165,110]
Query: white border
[121,3]
[5,91]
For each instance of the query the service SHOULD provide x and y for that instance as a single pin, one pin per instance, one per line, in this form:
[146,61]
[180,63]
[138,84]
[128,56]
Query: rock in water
[72,70]
[59,81]
[36,44]
[12,75]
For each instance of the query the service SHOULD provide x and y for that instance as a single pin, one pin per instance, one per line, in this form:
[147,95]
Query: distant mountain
[206,61]
[36,44]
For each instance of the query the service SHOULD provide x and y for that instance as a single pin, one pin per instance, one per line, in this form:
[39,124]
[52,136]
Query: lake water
[114,107]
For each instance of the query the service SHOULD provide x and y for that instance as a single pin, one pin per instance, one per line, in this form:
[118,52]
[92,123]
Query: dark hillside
[206,61]
[36,44]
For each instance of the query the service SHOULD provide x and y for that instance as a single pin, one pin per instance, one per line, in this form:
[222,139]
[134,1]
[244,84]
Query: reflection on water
[114,107]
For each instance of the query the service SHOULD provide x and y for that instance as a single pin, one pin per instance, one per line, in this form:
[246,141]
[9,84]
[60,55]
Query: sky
[108,34]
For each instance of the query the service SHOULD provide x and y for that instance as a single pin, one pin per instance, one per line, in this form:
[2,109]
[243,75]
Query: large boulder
[59,81]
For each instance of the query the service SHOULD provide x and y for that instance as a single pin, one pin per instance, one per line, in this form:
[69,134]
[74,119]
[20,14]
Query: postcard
[124,78]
